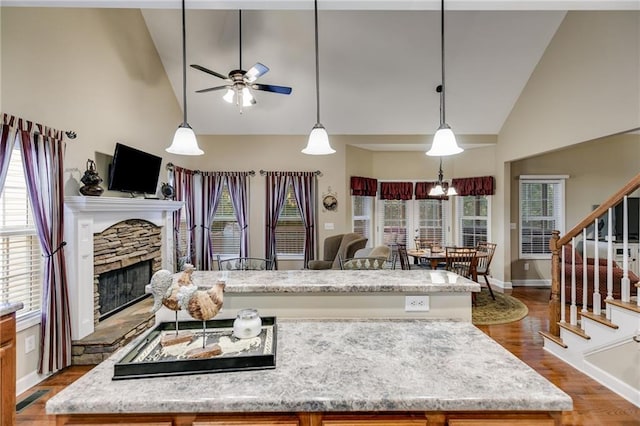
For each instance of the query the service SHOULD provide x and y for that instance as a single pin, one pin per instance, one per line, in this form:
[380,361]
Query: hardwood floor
[593,403]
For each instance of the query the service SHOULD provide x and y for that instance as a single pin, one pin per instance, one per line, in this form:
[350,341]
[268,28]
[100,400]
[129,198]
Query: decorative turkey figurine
[165,292]
[202,305]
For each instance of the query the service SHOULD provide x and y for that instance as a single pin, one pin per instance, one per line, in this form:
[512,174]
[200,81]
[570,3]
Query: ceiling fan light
[247,97]
[184,142]
[318,143]
[444,142]
[436,191]
[228,97]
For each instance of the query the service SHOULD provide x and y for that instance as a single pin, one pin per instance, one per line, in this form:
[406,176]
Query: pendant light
[442,188]
[184,140]
[444,141]
[318,143]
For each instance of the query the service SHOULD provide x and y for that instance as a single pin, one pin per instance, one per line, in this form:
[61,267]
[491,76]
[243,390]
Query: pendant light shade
[184,140]
[444,141]
[442,188]
[318,143]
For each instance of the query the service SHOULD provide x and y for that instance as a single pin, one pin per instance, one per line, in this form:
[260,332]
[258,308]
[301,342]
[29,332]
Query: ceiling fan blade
[255,72]
[208,71]
[271,88]
[210,89]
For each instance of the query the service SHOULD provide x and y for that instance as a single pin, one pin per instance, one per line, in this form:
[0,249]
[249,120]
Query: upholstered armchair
[600,268]
[336,246]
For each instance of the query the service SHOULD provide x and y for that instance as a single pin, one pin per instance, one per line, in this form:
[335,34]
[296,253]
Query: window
[432,223]
[225,231]
[182,239]
[362,208]
[473,219]
[393,222]
[290,232]
[20,252]
[541,212]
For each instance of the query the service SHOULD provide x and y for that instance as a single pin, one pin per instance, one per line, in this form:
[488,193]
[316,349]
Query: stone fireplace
[125,256]
[104,234]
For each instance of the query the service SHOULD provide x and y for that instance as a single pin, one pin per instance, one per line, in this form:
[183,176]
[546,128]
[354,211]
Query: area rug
[503,310]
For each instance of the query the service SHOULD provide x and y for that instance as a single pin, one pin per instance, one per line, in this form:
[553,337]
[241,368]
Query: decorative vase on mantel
[91,181]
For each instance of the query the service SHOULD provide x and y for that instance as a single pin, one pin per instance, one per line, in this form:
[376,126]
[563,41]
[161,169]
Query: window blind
[225,231]
[472,212]
[20,252]
[541,212]
[432,221]
[290,229]
[362,216]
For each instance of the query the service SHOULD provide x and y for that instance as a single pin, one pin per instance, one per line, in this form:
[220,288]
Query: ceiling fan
[240,82]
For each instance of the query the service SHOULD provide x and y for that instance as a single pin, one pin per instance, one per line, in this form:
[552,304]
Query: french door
[401,221]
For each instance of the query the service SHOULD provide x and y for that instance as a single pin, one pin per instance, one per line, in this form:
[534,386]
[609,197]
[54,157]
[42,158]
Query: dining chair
[244,264]
[485,251]
[461,260]
[402,255]
[363,263]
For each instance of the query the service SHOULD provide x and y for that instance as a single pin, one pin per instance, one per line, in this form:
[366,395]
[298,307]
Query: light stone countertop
[9,308]
[349,365]
[337,281]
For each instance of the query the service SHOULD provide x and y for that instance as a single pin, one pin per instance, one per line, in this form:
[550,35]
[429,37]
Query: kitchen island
[334,294]
[334,372]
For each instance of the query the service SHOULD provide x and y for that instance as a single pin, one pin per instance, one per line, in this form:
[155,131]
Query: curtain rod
[171,166]
[264,172]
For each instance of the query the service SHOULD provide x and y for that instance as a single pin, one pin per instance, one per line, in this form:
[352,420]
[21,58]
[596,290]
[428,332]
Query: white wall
[586,86]
[94,71]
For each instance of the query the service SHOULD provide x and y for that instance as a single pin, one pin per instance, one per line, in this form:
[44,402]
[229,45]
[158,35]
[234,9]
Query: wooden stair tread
[632,306]
[555,339]
[601,319]
[574,329]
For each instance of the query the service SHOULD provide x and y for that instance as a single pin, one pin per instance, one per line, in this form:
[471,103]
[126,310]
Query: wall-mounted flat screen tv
[133,170]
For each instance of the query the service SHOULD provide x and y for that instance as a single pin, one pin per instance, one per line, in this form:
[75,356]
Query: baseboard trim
[532,283]
[505,285]
[30,380]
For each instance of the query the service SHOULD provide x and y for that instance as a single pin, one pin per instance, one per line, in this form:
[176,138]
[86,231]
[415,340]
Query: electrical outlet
[29,344]
[416,303]
[526,266]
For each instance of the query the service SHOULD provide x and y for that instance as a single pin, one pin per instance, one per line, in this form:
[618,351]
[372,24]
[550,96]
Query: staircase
[601,338]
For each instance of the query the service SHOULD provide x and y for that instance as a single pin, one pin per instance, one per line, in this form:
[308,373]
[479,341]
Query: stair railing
[558,259]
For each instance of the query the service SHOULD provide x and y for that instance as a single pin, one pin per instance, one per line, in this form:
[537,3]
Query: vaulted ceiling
[379,60]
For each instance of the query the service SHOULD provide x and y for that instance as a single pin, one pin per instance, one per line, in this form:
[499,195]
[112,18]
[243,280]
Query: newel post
[554,302]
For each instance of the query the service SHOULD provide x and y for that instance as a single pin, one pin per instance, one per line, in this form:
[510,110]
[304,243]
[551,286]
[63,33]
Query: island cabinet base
[484,418]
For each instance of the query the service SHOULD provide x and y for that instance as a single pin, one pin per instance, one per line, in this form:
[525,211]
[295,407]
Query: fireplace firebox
[122,287]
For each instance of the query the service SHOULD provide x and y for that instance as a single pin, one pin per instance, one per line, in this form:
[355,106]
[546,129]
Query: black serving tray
[149,359]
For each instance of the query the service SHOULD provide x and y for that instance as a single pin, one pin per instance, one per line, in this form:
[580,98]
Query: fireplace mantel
[86,216]
[112,204]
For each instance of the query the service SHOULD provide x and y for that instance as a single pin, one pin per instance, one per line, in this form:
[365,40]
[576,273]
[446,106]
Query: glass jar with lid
[247,324]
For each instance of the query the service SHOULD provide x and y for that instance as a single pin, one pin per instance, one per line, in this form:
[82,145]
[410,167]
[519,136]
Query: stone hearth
[113,333]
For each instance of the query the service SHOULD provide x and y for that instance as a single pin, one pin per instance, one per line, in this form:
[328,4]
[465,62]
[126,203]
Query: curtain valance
[396,190]
[483,185]
[363,186]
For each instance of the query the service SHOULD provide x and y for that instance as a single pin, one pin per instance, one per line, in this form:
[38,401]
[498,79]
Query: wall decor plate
[150,359]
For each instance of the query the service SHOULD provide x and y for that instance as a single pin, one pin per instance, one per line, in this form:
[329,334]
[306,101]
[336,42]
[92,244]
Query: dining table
[436,257]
